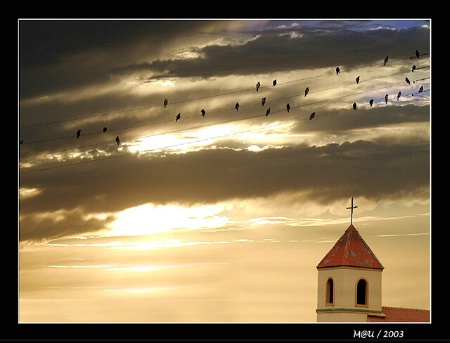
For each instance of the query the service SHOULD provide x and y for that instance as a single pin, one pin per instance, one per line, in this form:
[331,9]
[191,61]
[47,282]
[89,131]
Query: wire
[292,107]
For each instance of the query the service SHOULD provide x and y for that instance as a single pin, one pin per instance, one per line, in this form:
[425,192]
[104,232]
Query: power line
[209,112]
[292,107]
[97,159]
[195,99]
[206,97]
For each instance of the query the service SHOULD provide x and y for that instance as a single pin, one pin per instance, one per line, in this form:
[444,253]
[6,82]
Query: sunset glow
[197,171]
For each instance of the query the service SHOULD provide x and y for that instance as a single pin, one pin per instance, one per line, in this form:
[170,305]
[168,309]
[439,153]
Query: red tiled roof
[400,314]
[350,250]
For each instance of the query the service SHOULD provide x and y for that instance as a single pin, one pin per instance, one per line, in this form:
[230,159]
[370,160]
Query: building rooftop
[400,314]
[350,250]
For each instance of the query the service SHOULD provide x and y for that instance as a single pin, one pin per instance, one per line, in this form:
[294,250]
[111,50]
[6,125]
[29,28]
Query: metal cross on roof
[351,211]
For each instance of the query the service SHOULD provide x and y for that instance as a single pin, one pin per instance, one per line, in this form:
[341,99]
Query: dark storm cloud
[209,176]
[122,47]
[348,49]
[48,42]
[46,45]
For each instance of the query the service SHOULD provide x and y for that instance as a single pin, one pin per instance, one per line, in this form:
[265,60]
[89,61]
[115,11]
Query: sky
[221,217]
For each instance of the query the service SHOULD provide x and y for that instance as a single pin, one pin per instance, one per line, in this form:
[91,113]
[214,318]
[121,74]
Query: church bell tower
[349,280]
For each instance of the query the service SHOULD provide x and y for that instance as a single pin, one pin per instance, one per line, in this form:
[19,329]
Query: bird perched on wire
[288,107]
[263,101]
[413,68]
[354,106]
[78,133]
[417,53]
[203,112]
[407,81]
[236,106]
[386,98]
[165,103]
[178,117]
[258,85]
[399,95]
[267,111]
[274,82]
[104,129]
[306,91]
[357,80]
[371,102]
[421,89]
[386,60]
[338,70]
[117,140]
[312,115]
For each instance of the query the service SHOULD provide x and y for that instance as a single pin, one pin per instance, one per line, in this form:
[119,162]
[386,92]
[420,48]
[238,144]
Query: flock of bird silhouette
[288,106]
[312,115]
[104,130]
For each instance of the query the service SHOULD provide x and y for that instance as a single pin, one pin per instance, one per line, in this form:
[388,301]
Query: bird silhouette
[21,141]
[288,107]
[178,117]
[371,102]
[407,81]
[258,85]
[413,68]
[386,98]
[236,106]
[203,112]
[421,89]
[386,60]
[357,80]
[417,53]
[165,103]
[117,140]
[274,82]
[312,115]
[267,111]
[78,133]
[306,91]
[263,101]
[354,106]
[399,95]
[104,129]
[338,70]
